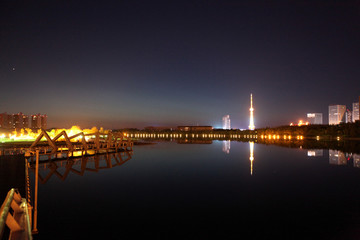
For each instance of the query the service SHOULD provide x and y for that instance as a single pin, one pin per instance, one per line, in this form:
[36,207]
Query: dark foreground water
[198,191]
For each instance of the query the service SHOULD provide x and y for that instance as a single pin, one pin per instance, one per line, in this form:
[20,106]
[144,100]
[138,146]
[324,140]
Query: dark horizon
[139,63]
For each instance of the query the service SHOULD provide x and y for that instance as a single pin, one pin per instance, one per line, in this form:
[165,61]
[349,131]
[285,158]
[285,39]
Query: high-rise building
[336,114]
[44,121]
[5,120]
[25,121]
[36,121]
[226,122]
[17,123]
[355,111]
[348,116]
[251,125]
[3,116]
[315,118]
[20,120]
[39,121]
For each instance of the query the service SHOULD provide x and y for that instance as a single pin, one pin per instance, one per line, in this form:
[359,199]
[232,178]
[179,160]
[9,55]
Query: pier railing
[14,215]
[70,146]
[97,142]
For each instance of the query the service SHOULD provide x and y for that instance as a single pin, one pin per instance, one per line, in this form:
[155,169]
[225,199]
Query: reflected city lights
[356,160]
[315,153]
[337,157]
[300,123]
[226,146]
[251,145]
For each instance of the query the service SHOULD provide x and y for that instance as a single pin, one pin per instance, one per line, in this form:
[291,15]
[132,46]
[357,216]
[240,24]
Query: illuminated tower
[251,126]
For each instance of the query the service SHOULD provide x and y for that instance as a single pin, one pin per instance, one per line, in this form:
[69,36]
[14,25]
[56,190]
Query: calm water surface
[199,191]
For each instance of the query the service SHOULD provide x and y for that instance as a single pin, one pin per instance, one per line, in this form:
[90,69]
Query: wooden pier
[63,145]
[77,153]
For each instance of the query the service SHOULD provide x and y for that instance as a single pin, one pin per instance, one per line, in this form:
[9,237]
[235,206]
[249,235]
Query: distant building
[20,120]
[25,121]
[315,118]
[5,120]
[355,112]
[336,114]
[43,121]
[348,116]
[36,121]
[17,120]
[226,122]
[194,128]
[157,129]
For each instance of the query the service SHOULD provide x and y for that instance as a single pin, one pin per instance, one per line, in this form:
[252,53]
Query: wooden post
[97,141]
[35,230]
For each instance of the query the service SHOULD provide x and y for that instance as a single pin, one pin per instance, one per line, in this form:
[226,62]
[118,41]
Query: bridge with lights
[18,216]
[63,146]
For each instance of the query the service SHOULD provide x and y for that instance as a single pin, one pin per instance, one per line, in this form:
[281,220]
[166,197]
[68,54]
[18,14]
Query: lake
[201,191]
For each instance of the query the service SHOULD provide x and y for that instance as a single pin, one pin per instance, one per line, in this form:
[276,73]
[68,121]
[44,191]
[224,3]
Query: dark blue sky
[137,63]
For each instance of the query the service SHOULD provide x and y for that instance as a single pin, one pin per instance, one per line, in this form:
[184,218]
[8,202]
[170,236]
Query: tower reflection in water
[226,149]
[251,145]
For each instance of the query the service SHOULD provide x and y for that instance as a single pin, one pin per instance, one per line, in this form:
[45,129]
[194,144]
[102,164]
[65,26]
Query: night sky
[119,64]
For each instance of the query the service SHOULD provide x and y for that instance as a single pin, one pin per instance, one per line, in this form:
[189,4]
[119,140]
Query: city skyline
[312,118]
[137,64]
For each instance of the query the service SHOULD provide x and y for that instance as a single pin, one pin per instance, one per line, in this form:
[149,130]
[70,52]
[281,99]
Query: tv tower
[251,126]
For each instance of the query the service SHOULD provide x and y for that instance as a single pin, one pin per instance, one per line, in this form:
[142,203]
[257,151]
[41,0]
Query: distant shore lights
[251,125]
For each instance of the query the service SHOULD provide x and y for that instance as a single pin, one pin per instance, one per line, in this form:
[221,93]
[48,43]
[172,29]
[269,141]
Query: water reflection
[226,146]
[62,167]
[314,145]
[181,201]
[356,160]
[337,157]
[315,153]
[251,145]
[226,149]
